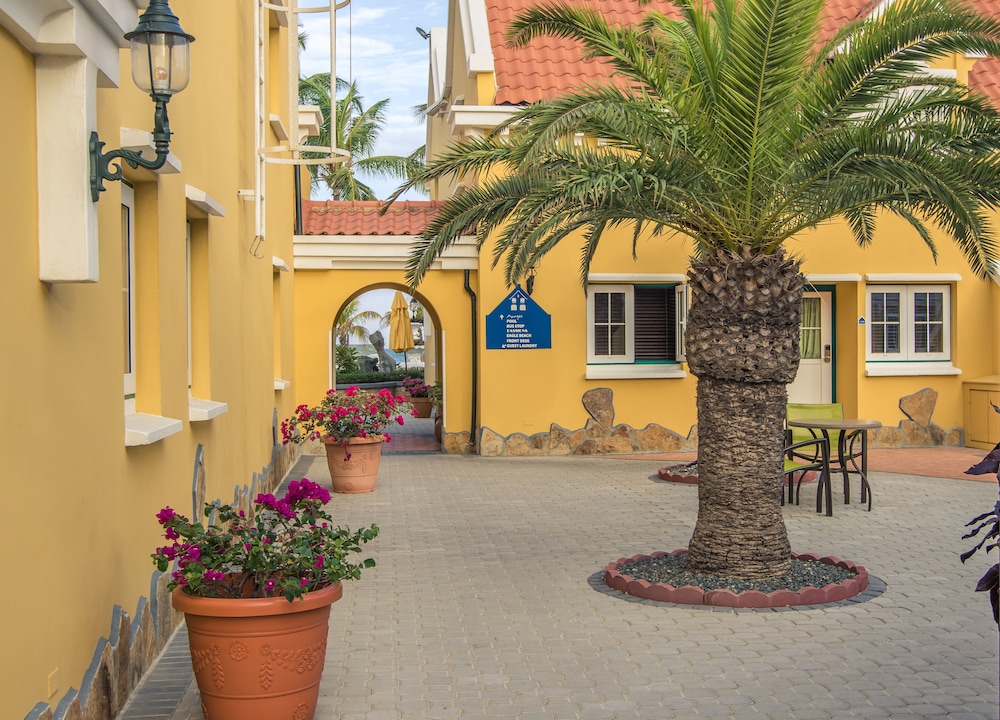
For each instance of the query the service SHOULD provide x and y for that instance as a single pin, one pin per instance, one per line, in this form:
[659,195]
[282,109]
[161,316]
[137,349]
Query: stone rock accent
[121,660]
[658,438]
[598,436]
[887,437]
[490,444]
[517,445]
[457,443]
[919,406]
[599,404]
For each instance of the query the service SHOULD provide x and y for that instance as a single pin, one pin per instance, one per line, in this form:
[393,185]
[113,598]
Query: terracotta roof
[548,66]
[330,217]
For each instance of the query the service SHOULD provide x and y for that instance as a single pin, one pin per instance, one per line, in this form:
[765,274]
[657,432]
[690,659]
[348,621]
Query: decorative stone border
[690,595]
[668,475]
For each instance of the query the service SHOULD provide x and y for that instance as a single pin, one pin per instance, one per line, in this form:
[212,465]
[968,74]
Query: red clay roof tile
[330,217]
[548,66]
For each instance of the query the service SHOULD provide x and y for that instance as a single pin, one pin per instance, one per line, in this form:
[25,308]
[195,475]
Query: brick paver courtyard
[487,603]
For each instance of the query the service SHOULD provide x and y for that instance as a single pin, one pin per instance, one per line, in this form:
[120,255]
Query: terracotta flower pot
[422,406]
[259,657]
[359,472]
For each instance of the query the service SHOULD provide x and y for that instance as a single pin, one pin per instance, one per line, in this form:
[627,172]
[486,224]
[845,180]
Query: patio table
[852,430]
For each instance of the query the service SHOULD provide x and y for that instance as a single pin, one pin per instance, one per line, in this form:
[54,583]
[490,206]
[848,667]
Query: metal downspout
[475,360]
[298,199]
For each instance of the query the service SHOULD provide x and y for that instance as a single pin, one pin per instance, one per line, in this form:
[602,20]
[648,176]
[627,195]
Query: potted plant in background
[417,390]
[351,425]
[256,590]
[436,395]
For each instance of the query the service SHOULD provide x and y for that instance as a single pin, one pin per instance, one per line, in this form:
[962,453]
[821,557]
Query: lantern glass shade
[161,63]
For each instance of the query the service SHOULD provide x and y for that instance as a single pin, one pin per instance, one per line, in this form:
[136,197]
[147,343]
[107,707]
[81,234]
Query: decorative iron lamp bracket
[100,163]
[160,66]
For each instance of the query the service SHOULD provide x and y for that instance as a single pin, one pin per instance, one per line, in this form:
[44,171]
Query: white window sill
[634,372]
[200,410]
[280,384]
[145,429]
[887,369]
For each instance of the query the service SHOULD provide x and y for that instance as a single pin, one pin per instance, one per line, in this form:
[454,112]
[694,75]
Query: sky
[379,47]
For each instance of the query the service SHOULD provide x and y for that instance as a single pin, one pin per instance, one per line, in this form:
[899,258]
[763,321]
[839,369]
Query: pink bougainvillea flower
[166,515]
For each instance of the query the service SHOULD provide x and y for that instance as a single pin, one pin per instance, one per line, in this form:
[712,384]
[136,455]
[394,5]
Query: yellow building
[520,398]
[147,336]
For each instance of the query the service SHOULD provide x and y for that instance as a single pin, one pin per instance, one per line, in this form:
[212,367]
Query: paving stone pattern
[487,603]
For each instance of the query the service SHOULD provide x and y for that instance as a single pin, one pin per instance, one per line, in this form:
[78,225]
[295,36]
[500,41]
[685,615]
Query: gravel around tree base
[670,570]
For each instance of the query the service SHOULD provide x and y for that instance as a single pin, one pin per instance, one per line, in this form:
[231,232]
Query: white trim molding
[145,429]
[890,369]
[471,119]
[642,371]
[476,33]
[913,277]
[636,278]
[375,252]
[814,278]
[201,410]
[278,264]
[280,384]
[203,202]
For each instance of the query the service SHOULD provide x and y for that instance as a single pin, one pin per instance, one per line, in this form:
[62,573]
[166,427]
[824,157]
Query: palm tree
[357,130]
[349,323]
[738,128]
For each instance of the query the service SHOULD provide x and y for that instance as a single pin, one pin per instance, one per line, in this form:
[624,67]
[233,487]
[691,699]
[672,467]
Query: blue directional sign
[518,323]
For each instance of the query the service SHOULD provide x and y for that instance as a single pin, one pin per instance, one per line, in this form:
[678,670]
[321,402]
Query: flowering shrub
[415,387]
[345,414]
[288,546]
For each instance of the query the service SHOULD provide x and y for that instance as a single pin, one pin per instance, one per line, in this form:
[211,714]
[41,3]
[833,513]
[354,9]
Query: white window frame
[607,367]
[628,356]
[908,361]
[128,204]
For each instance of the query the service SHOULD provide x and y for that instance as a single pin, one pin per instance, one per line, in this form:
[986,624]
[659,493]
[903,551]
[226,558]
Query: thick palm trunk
[742,343]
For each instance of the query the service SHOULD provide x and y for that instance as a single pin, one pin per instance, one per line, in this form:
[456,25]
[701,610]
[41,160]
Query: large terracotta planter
[258,658]
[422,406]
[359,472]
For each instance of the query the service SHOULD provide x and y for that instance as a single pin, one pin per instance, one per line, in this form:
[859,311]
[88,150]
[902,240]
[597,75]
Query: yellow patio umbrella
[400,331]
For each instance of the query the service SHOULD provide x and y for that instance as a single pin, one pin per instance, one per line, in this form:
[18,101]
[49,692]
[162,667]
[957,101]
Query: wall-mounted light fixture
[161,66]
[414,309]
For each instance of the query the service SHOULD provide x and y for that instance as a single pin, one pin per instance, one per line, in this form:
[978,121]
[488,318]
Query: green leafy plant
[346,414]
[436,394]
[285,546]
[348,360]
[990,521]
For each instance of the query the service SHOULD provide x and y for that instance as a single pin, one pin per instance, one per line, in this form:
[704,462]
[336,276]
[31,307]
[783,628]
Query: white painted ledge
[145,429]
[204,202]
[201,410]
[634,372]
[890,369]
[280,384]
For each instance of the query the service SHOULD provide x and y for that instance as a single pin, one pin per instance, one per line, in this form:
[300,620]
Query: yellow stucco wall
[80,506]
[321,294]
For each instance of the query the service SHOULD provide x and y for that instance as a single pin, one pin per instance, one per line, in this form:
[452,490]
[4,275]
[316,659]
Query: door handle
[827,353]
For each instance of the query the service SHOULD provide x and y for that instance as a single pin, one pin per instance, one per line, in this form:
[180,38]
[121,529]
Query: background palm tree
[350,325]
[357,130]
[737,128]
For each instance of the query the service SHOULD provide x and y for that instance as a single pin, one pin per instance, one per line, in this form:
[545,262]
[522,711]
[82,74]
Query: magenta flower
[171,534]
[166,515]
[270,583]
